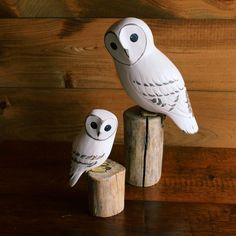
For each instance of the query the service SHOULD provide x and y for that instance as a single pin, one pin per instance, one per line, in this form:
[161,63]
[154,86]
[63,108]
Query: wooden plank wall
[54,68]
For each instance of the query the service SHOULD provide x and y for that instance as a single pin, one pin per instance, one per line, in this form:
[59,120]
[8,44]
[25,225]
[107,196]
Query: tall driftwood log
[107,189]
[143,138]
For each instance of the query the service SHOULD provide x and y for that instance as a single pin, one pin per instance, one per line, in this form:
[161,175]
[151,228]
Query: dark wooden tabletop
[195,196]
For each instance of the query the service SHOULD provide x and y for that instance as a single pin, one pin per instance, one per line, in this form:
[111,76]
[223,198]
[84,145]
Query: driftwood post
[143,138]
[107,189]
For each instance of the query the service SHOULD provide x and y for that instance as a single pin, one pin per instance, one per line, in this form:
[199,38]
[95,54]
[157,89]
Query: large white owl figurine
[147,75]
[93,145]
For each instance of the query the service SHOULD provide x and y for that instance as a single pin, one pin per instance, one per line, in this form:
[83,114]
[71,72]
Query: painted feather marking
[89,161]
[152,85]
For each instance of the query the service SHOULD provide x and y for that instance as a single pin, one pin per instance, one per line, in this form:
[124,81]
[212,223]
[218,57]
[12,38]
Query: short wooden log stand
[107,189]
[143,138]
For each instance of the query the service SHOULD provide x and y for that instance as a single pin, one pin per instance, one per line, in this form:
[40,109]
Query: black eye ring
[93,125]
[107,128]
[113,45]
[133,37]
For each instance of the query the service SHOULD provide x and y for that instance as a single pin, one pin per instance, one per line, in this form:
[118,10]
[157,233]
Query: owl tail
[187,124]
[74,177]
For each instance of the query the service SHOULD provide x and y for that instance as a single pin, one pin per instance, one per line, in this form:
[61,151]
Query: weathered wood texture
[193,175]
[119,8]
[189,174]
[143,140]
[107,189]
[51,53]
[41,59]
[45,114]
[195,196]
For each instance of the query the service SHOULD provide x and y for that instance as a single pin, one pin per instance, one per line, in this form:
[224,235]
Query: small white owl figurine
[93,145]
[147,75]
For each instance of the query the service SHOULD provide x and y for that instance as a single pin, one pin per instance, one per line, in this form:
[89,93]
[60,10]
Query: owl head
[101,124]
[128,40]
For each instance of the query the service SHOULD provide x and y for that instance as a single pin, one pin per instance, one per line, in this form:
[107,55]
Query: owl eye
[133,37]
[107,128]
[94,125]
[113,46]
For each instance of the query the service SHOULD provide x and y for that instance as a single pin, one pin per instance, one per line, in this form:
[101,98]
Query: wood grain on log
[107,189]
[143,139]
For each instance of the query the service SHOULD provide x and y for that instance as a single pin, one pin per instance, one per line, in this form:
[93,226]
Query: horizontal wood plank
[195,196]
[58,114]
[55,53]
[119,8]
[189,174]
[193,174]
[67,215]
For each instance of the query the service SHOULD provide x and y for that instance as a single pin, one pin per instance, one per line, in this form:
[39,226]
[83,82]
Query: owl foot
[102,168]
[146,113]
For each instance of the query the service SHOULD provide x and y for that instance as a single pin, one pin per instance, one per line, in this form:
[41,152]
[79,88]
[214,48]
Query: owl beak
[126,52]
[98,133]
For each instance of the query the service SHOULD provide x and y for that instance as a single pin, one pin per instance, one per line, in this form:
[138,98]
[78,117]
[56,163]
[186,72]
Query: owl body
[147,75]
[93,145]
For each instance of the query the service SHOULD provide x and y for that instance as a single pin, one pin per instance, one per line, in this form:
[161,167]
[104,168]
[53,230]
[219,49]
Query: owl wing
[83,158]
[87,161]
[162,87]
[167,97]
[80,163]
